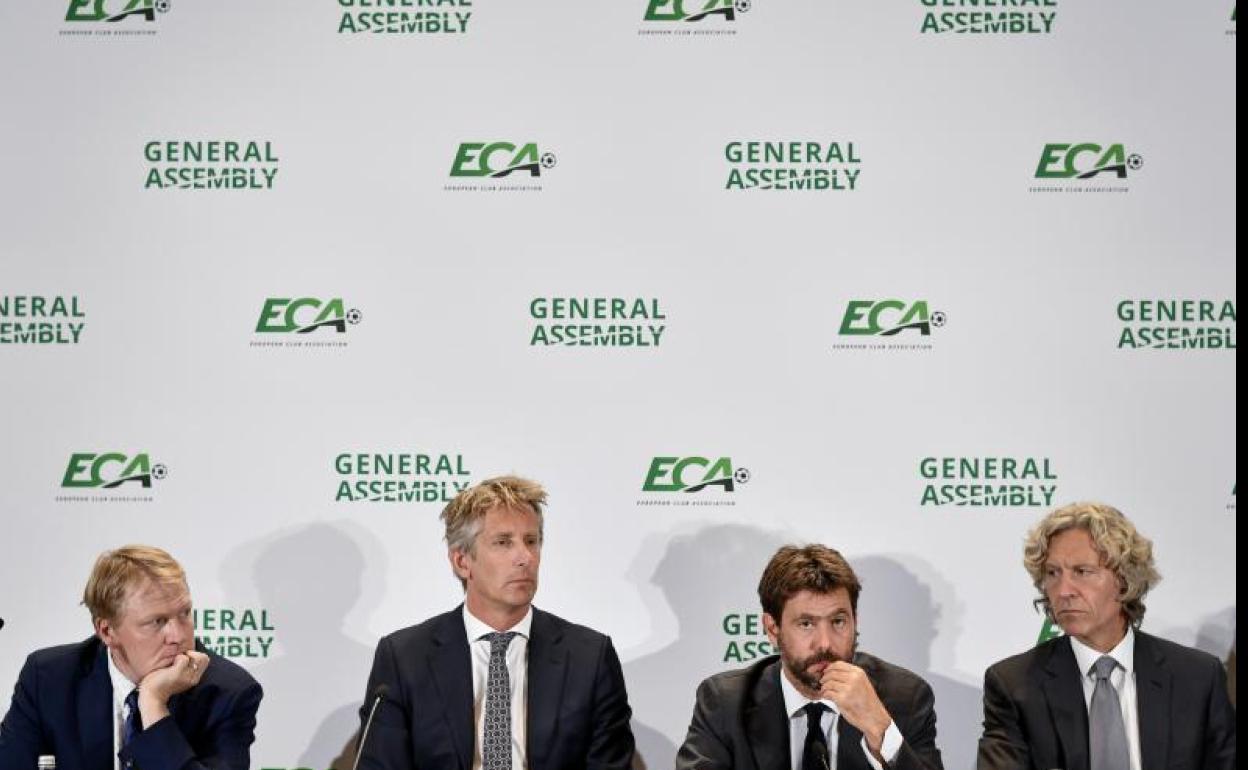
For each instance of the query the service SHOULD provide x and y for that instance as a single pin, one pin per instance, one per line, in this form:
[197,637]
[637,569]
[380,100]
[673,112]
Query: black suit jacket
[577,707]
[63,705]
[739,721]
[1035,715]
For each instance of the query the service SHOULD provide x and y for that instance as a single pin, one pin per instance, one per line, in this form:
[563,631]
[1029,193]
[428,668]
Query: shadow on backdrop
[1216,636]
[703,576]
[911,621]
[310,580]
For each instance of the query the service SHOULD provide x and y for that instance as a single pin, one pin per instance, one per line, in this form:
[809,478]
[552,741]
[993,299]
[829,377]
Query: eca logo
[695,10]
[110,470]
[114,10]
[305,314]
[693,474]
[887,317]
[1084,161]
[499,159]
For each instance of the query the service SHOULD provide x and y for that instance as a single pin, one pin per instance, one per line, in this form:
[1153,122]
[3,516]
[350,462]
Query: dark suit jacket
[739,721]
[577,707]
[63,705]
[1035,715]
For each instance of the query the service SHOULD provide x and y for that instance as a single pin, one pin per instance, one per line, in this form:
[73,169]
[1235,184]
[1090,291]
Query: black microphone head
[380,692]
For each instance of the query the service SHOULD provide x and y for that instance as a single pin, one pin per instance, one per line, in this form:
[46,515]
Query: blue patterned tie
[134,720]
[496,744]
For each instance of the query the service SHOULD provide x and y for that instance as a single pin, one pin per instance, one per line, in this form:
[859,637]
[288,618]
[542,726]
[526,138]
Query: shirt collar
[794,701]
[1123,653]
[477,629]
[121,685]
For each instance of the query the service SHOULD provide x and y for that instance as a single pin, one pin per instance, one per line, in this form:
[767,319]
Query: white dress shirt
[121,690]
[1123,680]
[794,705]
[517,677]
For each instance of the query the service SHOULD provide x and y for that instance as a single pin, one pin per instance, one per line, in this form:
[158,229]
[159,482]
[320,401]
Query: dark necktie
[496,741]
[1107,736]
[815,752]
[134,721]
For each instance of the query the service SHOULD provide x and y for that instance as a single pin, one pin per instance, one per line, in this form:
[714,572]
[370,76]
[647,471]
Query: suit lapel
[1063,691]
[451,666]
[766,723]
[849,753]
[548,666]
[1152,696]
[95,709]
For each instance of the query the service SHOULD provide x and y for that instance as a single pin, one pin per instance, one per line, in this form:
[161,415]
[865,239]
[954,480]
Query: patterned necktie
[815,752]
[496,743]
[134,720]
[1107,736]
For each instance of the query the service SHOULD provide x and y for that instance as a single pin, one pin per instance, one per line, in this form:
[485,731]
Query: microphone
[378,695]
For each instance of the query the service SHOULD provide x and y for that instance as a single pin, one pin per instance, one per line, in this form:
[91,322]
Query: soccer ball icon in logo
[742,5]
[1135,161]
[741,475]
[548,160]
[162,6]
[159,471]
[354,316]
[939,319]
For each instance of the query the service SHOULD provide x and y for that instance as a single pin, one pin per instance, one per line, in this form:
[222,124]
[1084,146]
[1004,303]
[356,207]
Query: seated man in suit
[820,704]
[1106,696]
[137,694]
[496,683]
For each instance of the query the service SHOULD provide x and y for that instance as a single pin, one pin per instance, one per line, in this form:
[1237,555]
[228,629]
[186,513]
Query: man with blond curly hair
[496,683]
[1104,696]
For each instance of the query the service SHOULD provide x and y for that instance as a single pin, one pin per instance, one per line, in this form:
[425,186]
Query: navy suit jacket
[577,706]
[739,721]
[63,705]
[1035,715]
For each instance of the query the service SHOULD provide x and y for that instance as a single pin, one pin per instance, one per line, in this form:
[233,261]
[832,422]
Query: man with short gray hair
[1105,696]
[496,683]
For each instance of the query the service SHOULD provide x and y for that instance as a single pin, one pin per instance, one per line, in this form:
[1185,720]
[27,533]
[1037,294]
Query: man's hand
[162,684]
[847,686]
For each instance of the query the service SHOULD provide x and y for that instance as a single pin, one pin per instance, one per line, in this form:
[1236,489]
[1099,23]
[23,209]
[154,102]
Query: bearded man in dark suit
[820,704]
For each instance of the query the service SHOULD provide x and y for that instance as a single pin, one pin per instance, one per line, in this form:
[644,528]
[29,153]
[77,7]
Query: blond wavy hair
[1122,548]
[464,515]
[116,573]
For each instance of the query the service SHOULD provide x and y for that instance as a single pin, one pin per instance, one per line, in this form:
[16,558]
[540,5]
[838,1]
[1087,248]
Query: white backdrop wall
[1022,277]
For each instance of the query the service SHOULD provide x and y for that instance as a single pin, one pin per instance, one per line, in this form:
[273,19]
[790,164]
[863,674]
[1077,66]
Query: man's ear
[772,628]
[460,562]
[105,631]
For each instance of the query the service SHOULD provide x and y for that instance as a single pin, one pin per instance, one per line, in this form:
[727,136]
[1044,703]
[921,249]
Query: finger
[844,667]
[839,678]
[199,661]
